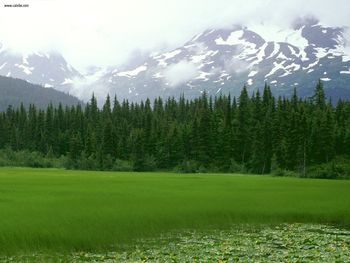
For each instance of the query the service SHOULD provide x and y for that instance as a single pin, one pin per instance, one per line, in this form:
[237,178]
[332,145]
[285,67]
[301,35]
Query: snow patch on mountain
[235,38]
[3,65]
[252,73]
[345,72]
[164,57]
[276,49]
[132,73]
[202,56]
[25,59]
[204,76]
[67,81]
[311,65]
[277,66]
[321,52]
[277,34]
[260,55]
[27,70]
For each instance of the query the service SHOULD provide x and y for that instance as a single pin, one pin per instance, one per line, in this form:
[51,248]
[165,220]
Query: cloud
[180,73]
[236,66]
[106,32]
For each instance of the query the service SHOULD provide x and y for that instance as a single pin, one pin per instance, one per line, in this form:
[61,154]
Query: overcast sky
[106,32]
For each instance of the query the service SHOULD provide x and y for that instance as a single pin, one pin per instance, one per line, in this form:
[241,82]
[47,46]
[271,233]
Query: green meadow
[64,211]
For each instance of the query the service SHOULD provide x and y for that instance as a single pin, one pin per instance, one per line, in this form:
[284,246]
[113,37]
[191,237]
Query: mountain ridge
[224,60]
[48,69]
[14,92]
[218,60]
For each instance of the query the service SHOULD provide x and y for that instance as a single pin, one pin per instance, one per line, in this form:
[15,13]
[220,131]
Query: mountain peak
[49,69]
[223,60]
[218,60]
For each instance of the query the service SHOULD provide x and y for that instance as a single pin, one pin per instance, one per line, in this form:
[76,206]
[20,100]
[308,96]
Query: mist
[180,73]
[106,32]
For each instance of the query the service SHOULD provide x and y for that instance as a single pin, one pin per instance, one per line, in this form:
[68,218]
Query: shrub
[122,165]
[86,162]
[236,167]
[339,168]
[26,158]
[108,162]
[282,172]
[188,166]
[150,163]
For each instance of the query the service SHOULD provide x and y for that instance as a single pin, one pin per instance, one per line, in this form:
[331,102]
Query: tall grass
[60,210]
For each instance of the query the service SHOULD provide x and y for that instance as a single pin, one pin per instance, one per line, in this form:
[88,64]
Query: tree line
[254,133]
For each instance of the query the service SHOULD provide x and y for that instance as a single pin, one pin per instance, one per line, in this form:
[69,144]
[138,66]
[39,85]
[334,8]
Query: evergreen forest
[254,133]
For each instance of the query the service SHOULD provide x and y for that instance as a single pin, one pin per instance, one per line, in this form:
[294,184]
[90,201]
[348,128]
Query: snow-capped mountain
[217,61]
[223,60]
[46,69]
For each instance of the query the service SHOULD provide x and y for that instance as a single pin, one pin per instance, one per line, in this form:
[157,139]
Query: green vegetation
[25,158]
[243,243]
[59,210]
[256,134]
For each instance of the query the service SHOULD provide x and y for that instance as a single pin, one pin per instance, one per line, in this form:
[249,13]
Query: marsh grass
[65,211]
[241,243]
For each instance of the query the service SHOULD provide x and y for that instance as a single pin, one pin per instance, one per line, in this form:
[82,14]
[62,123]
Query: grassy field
[59,210]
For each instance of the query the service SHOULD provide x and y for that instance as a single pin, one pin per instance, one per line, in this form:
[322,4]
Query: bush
[26,158]
[336,169]
[85,162]
[217,169]
[322,171]
[188,166]
[122,165]
[108,163]
[150,163]
[4,161]
[236,167]
[202,169]
[339,168]
[282,172]
[146,163]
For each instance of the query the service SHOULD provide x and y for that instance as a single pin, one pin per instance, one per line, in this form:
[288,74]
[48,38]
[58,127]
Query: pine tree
[109,139]
[319,98]
[242,142]
[75,149]
[137,149]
